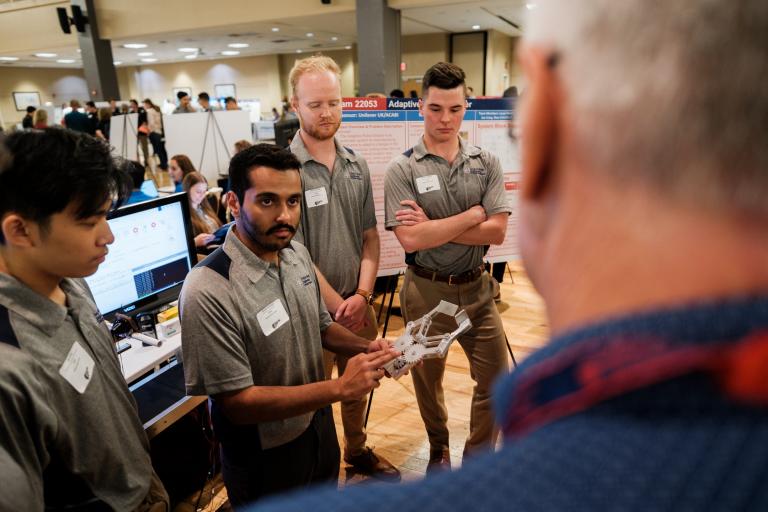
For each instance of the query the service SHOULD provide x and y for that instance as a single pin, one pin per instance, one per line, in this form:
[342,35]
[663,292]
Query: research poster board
[123,136]
[207,138]
[379,129]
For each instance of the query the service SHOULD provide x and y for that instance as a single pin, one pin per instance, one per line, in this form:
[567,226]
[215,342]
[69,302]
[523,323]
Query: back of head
[314,64]
[74,104]
[90,104]
[677,103]
[444,75]
[396,93]
[242,144]
[40,116]
[259,155]
[136,171]
[30,109]
[105,113]
[47,170]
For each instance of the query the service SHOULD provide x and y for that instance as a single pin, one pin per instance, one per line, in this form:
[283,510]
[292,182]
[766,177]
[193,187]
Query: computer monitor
[152,254]
[284,132]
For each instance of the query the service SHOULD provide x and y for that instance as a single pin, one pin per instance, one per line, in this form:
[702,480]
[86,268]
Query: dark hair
[134,102]
[52,168]
[443,75]
[259,155]
[396,93]
[203,96]
[184,163]
[181,94]
[30,109]
[229,98]
[136,171]
[90,104]
[510,92]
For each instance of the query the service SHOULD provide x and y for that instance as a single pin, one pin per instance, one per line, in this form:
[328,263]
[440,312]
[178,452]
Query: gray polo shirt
[246,322]
[337,208]
[443,190]
[95,435]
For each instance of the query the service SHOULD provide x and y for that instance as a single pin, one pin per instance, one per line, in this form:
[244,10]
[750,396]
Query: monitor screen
[149,259]
[285,131]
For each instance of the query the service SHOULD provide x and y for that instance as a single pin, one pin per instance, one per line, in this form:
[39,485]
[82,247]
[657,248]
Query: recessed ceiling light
[9,59]
[145,54]
[45,55]
[348,47]
[334,38]
[149,60]
[134,46]
[193,56]
[299,51]
[230,52]
[475,27]
[79,50]
[310,34]
[188,50]
[66,61]
[530,6]
[275,29]
[238,45]
[117,62]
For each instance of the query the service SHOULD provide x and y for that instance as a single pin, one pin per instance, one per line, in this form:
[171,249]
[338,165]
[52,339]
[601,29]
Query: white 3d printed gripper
[415,345]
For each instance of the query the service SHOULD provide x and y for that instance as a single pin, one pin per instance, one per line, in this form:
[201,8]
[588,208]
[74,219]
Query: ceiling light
[348,47]
[149,60]
[299,51]
[238,45]
[134,46]
[530,6]
[310,34]
[9,59]
[193,56]
[117,62]
[66,61]
[475,27]
[145,54]
[275,29]
[45,55]
[334,38]
[79,50]
[230,52]
[188,50]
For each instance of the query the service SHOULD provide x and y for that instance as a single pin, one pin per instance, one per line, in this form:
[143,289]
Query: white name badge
[272,317]
[78,368]
[428,183]
[316,197]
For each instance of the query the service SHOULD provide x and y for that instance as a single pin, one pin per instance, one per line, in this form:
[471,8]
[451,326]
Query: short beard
[259,237]
[315,134]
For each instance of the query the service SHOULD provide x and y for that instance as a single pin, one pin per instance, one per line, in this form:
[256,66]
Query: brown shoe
[375,466]
[439,460]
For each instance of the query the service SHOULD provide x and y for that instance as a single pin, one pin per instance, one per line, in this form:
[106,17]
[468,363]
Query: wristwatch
[368,296]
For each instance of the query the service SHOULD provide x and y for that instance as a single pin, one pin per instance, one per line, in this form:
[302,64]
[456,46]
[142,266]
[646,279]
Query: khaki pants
[352,411]
[484,345]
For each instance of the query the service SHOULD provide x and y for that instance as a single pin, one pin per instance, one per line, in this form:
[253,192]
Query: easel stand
[211,119]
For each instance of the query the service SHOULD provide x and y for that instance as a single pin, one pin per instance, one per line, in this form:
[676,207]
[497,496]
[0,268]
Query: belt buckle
[450,280]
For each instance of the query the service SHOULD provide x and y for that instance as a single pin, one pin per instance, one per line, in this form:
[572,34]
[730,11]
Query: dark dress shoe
[439,460]
[375,466]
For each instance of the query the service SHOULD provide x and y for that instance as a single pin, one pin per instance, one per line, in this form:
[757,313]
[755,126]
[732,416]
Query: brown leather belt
[463,278]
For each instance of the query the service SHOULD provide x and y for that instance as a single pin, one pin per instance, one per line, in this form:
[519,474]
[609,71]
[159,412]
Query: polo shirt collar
[39,311]
[242,255]
[300,150]
[465,149]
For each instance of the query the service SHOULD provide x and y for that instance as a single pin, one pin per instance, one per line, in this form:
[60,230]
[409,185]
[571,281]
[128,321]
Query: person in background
[396,93]
[204,100]
[102,128]
[155,123]
[204,219]
[275,115]
[93,117]
[185,106]
[178,167]
[40,119]
[142,130]
[114,108]
[27,121]
[230,103]
[643,227]
[139,194]
[413,94]
[241,145]
[76,120]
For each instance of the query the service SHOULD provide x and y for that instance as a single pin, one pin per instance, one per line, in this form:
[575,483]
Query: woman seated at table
[204,220]
[179,166]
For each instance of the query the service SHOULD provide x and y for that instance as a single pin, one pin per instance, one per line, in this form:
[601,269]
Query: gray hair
[671,92]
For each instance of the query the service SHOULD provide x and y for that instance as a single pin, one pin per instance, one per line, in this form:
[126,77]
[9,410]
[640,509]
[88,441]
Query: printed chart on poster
[379,129]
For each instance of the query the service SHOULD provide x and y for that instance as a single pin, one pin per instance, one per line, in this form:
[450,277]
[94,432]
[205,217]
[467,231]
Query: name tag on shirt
[78,368]
[272,317]
[428,183]
[316,197]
